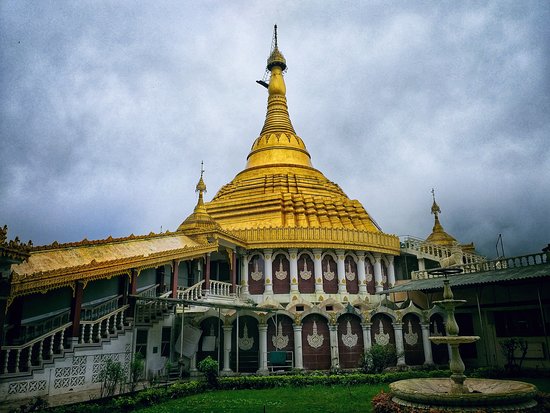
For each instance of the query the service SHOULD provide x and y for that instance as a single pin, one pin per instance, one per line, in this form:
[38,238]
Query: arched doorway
[280,335]
[248,343]
[382,332]
[211,340]
[412,340]
[315,343]
[350,341]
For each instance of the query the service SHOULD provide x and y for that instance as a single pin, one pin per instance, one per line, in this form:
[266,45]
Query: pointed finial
[201,186]
[276,58]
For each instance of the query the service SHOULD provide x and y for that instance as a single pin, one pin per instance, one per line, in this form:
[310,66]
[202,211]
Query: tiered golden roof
[279,188]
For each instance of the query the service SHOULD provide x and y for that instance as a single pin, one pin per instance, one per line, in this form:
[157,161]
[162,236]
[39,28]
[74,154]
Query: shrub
[136,371]
[377,358]
[111,375]
[509,347]
[210,368]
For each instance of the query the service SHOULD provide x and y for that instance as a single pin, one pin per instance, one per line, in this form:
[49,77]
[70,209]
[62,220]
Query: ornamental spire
[201,188]
[278,143]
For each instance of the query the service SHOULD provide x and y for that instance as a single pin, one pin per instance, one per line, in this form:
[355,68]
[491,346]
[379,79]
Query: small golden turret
[200,219]
[438,235]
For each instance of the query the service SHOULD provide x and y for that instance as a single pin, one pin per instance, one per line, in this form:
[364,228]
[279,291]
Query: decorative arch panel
[256,275]
[281,274]
[247,343]
[412,340]
[330,275]
[306,274]
[352,283]
[315,343]
[350,341]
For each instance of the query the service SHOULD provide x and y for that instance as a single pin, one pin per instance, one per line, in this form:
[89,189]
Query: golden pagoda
[439,236]
[281,199]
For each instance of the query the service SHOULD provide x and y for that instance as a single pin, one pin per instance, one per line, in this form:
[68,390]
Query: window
[165,344]
[518,323]
[141,343]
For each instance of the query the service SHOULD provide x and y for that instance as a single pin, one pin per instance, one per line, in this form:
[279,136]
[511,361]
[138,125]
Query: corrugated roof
[498,276]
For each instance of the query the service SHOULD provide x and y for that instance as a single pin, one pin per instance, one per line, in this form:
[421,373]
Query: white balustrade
[492,265]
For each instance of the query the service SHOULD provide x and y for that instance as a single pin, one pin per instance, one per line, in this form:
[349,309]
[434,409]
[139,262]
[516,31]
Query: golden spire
[200,217]
[438,235]
[278,143]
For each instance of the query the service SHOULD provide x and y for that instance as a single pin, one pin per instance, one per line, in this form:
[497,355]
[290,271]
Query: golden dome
[280,190]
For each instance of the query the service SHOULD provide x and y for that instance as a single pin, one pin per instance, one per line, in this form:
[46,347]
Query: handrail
[492,265]
[149,292]
[37,339]
[99,310]
[191,293]
[44,324]
[106,316]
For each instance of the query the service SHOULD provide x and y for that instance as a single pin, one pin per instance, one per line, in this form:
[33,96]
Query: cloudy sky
[108,107]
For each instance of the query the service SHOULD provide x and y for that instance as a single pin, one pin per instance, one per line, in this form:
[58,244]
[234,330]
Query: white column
[428,359]
[391,271]
[263,348]
[244,274]
[341,269]
[226,348]
[367,340]
[293,254]
[193,365]
[421,264]
[334,356]
[268,271]
[298,357]
[361,276]
[318,270]
[400,350]
[378,272]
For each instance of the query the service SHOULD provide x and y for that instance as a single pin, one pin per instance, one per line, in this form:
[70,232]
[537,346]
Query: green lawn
[280,400]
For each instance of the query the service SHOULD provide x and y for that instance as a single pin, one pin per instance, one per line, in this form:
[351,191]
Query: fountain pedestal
[459,393]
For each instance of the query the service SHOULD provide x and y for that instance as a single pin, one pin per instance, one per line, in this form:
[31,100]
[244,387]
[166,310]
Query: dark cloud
[107,109]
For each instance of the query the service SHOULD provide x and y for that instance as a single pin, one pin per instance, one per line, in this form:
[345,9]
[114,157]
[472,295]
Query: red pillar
[76,307]
[133,282]
[233,272]
[174,280]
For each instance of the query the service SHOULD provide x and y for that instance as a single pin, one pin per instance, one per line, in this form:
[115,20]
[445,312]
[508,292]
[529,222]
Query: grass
[281,400]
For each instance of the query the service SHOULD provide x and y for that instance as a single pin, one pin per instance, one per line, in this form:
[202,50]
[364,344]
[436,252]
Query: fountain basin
[482,393]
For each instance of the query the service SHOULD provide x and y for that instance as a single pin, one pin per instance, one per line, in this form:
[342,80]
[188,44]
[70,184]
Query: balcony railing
[93,312]
[103,327]
[434,251]
[493,265]
[21,358]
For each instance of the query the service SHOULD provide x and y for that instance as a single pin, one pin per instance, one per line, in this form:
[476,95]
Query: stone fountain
[459,393]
